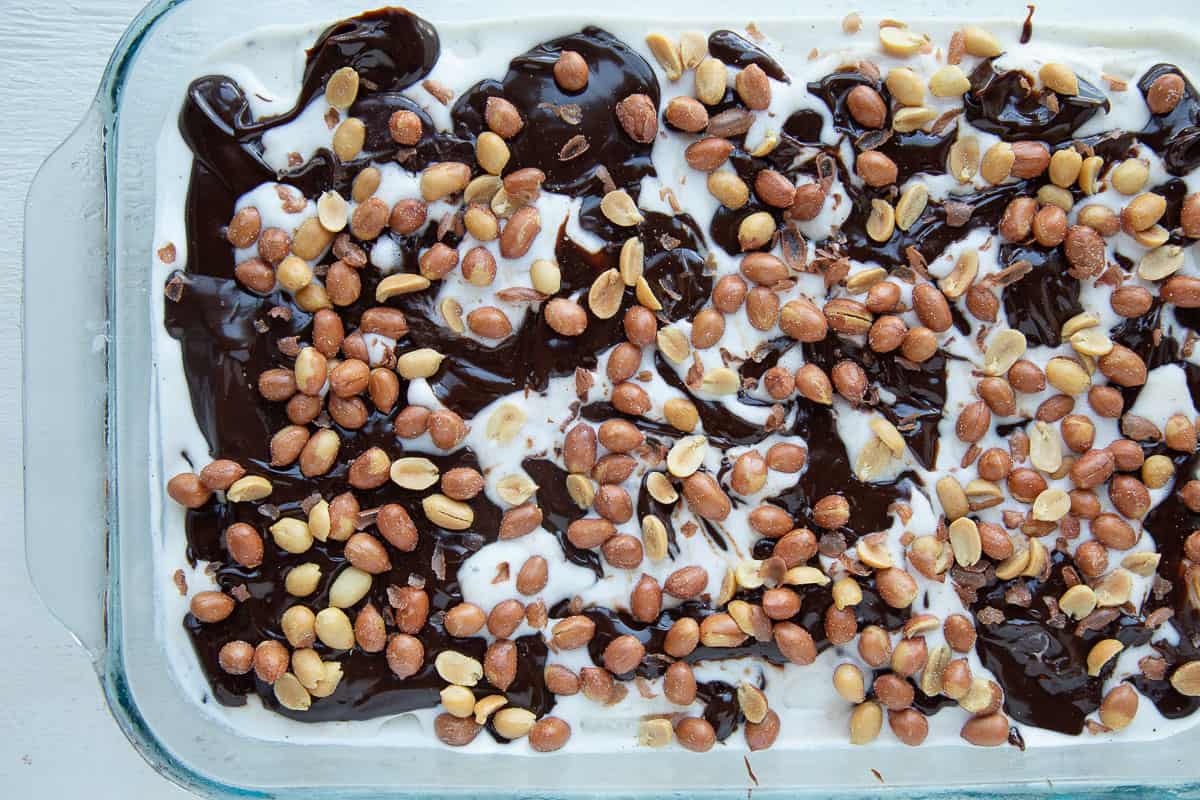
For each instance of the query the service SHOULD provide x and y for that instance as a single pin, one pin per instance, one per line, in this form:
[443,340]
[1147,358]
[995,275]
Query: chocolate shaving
[835,271]
[1153,668]
[668,241]
[280,312]
[349,253]
[695,373]
[978,574]
[917,262]
[832,544]
[174,288]
[1158,616]
[576,146]
[445,225]
[570,113]
[332,118]
[309,502]
[293,202]
[873,140]
[854,566]
[793,247]
[606,180]
[180,582]
[365,518]
[826,171]
[240,593]
[1010,274]
[1019,595]
[289,346]
[957,213]
[269,510]
[1057,618]
[990,616]
[261,326]
[730,360]
[1097,620]
[943,122]
[966,594]
[437,562]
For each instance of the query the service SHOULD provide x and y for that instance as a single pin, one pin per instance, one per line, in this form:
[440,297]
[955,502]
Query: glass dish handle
[65,372]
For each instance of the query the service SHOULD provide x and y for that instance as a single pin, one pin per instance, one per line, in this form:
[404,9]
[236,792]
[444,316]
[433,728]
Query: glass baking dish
[87,377]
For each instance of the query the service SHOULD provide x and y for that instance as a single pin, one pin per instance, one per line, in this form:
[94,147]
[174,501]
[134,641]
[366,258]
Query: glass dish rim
[109,665]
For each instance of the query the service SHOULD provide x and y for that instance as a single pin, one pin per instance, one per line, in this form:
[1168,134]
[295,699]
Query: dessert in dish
[654,386]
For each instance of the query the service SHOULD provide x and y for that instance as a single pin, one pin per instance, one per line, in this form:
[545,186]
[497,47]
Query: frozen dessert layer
[660,384]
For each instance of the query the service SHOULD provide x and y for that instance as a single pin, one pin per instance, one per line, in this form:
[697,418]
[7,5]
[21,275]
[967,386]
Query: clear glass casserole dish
[88,393]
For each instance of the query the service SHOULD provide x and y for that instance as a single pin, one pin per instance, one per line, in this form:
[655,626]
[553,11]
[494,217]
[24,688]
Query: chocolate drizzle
[1041,660]
[1006,104]
[615,71]
[1038,304]
[919,389]
[737,51]
[228,338]
[1174,136]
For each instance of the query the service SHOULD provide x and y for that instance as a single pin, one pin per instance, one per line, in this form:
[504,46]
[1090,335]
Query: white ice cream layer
[269,62]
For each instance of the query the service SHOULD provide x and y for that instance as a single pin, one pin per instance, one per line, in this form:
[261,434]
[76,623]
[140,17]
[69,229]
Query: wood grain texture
[51,56]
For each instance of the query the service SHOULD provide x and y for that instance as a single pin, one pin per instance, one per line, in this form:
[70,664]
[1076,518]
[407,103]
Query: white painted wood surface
[56,736]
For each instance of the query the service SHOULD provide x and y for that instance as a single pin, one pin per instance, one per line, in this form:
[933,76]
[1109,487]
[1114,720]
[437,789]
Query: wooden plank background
[56,736]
